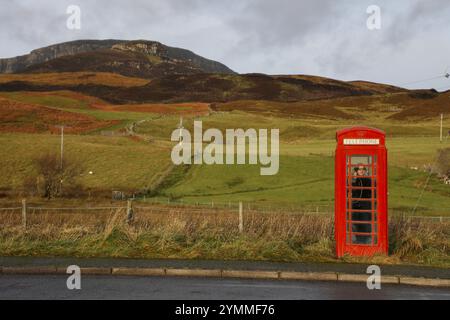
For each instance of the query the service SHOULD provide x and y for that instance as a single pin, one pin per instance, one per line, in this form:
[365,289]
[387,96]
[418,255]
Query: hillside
[140,77]
[141,58]
[74,79]
[202,87]
[400,106]
[16,116]
[142,71]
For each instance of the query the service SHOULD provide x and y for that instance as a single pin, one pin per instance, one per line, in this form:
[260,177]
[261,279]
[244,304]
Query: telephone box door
[360,195]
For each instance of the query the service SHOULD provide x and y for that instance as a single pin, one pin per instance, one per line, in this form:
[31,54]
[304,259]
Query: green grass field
[116,162]
[302,181]
[305,177]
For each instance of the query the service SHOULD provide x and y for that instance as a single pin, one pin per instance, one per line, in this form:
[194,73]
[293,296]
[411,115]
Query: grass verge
[162,232]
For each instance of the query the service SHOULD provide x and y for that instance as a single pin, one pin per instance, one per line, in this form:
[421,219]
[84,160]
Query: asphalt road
[177,288]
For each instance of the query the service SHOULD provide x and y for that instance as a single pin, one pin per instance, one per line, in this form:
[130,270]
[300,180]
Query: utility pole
[180,128]
[62,145]
[442,117]
[62,152]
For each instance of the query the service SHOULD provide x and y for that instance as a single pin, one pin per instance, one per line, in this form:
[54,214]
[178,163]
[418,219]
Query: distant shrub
[234,182]
[54,178]
[443,162]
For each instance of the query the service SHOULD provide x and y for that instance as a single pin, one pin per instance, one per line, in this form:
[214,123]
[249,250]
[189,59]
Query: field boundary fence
[133,211]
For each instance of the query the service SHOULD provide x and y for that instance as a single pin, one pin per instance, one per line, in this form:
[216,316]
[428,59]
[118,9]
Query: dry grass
[192,108]
[75,78]
[167,232]
[17,116]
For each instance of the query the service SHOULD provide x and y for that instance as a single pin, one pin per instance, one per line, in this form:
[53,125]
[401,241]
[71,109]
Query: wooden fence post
[24,213]
[241,218]
[129,211]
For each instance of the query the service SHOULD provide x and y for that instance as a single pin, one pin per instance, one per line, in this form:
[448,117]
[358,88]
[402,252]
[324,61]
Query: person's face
[361,171]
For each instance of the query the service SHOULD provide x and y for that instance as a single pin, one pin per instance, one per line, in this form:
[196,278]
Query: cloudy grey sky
[320,37]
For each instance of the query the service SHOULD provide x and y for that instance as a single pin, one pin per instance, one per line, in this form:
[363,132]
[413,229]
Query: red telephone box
[361,192]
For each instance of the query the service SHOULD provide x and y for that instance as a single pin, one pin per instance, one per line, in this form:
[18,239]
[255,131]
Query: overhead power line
[445,74]
[428,79]
[443,88]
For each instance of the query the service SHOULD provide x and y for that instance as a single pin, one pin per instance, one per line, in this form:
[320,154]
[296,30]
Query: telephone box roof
[360,132]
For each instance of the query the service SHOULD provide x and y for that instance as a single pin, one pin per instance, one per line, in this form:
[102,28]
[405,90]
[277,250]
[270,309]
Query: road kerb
[249,274]
[315,276]
[389,279]
[363,278]
[194,272]
[139,271]
[352,277]
[253,274]
[87,270]
[29,270]
[425,282]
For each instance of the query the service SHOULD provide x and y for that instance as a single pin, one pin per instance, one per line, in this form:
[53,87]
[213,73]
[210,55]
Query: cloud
[323,37]
[284,22]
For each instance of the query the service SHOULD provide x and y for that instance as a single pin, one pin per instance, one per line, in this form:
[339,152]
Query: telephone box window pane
[361,239]
[375,239]
[362,233]
[361,227]
[362,216]
[361,188]
[362,204]
[353,170]
[364,159]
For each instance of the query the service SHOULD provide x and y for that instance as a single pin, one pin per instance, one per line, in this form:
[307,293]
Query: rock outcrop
[141,54]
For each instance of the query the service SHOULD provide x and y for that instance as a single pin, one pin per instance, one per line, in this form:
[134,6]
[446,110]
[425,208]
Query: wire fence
[143,212]
[325,208]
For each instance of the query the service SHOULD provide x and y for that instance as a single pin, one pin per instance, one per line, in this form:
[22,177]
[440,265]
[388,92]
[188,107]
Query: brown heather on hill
[188,108]
[21,117]
[403,106]
[147,76]
[409,105]
[89,100]
[422,105]
[305,109]
[377,87]
[206,88]
[74,79]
